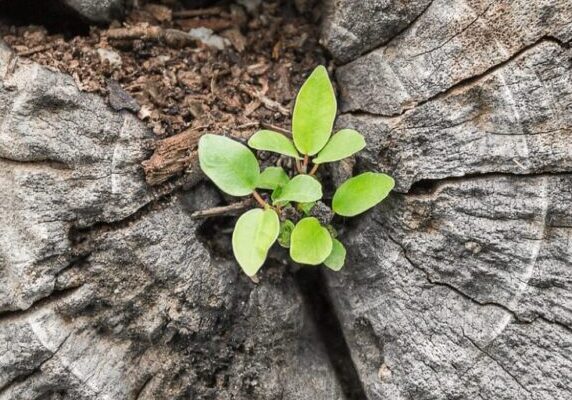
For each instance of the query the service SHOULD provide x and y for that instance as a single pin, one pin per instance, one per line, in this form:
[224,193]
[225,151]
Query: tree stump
[458,286]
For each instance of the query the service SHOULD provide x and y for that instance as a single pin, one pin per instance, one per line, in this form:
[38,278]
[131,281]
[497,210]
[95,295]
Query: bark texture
[107,289]
[460,286]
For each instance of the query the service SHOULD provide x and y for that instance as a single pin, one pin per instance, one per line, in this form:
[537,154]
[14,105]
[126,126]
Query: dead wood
[231,209]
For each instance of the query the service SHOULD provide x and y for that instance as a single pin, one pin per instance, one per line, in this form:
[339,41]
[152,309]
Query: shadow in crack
[55,16]
[312,285]
[216,235]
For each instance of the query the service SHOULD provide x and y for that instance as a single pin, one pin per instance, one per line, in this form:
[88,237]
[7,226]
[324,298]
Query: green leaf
[314,113]
[310,242]
[276,194]
[301,189]
[343,144]
[273,141]
[255,232]
[271,178]
[306,207]
[286,229]
[337,257]
[229,164]
[361,193]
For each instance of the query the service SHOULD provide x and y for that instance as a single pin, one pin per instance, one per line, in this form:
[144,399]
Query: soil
[149,66]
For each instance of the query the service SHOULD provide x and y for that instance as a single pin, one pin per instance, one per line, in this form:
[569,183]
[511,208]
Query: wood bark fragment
[216,24]
[172,156]
[474,240]
[218,11]
[171,37]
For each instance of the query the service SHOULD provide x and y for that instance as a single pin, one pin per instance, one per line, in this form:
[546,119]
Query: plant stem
[305,165]
[298,166]
[314,169]
[259,199]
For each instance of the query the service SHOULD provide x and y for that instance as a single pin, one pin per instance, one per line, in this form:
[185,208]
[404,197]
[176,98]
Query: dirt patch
[248,73]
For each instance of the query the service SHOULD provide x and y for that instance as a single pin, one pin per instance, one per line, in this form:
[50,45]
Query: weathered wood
[459,286]
[172,156]
[108,289]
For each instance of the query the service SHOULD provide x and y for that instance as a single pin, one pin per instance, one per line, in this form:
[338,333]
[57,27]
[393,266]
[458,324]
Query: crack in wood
[390,40]
[461,293]
[161,197]
[456,34]
[142,388]
[312,284]
[52,298]
[463,83]
[497,362]
[40,164]
[433,186]
[36,370]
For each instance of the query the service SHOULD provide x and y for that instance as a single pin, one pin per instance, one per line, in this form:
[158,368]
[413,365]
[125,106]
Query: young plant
[293,214]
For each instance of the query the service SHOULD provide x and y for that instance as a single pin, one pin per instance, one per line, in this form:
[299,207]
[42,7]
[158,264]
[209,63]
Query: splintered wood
[172,156]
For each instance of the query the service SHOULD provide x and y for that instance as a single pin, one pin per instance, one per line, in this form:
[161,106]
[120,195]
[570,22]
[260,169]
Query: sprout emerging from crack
[233,167]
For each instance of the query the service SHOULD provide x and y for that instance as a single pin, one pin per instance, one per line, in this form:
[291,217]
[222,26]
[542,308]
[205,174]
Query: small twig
[273,105]
[231,209]
[276,129]
[198,13]
[260,95]
[12,63]
[36,49]
[135,32]
[314,169]
[171,37]
[248,125]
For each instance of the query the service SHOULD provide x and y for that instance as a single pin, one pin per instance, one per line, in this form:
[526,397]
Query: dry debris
[185,72]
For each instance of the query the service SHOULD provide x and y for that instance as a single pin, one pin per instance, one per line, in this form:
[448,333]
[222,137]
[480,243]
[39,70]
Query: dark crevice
[54,15]
[317,300]
[53,297]
[554,322]
[215,235]
[144,386]
[39,164]
[161,197]
[430,186]
[18,379]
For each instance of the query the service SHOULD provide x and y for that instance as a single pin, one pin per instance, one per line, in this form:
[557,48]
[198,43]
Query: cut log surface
[460,285]
[106,290]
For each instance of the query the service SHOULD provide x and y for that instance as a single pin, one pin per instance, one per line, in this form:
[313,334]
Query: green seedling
[291,211]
